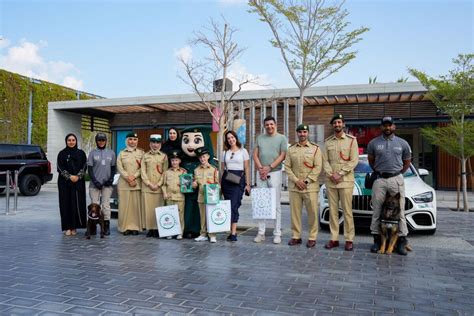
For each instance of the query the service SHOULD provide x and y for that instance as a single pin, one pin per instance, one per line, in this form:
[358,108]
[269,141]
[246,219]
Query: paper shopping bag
[167,218]
[264,203]
[218,217]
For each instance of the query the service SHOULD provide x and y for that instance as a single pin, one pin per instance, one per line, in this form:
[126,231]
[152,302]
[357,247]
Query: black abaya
[72,196]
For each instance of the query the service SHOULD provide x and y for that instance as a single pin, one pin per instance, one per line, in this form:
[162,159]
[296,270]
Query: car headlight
[423,197]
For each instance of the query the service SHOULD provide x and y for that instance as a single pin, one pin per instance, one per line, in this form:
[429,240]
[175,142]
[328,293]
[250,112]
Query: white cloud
[185,53]
[25,59]
[238,73]
[4,42]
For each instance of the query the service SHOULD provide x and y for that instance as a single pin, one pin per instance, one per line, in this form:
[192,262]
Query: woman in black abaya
[72,165]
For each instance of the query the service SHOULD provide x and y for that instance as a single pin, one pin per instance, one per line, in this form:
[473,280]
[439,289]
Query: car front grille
[362,203]
[422,219]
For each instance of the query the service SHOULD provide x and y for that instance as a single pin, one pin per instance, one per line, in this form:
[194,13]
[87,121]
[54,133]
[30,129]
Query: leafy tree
[453,94]
[222,51]
[311,37]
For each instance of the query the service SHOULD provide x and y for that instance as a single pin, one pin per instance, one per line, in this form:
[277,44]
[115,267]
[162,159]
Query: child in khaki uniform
[171,186]
[204,174]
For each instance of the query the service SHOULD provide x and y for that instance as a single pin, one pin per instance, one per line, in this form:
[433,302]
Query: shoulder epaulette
[314,144]
[350,136]
[330,137]
[292,145]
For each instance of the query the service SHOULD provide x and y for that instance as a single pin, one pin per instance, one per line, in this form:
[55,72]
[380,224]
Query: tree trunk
[464,185]
[300,106]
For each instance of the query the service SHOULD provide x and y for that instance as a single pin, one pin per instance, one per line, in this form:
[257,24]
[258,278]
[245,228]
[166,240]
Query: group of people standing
[151,179]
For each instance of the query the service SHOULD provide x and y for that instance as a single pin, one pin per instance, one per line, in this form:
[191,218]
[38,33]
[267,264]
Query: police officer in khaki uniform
[154,164]
[171,186]
[303,165]
[204,174]
[340,157]
[130,218]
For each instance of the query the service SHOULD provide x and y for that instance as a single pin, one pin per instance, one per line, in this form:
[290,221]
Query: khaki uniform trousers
[150,202]
[344,195]
[102,197]
[180,211]
[380,188]
[202,211]
[310,200]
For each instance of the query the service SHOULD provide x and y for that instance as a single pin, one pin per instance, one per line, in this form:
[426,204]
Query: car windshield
[364,167]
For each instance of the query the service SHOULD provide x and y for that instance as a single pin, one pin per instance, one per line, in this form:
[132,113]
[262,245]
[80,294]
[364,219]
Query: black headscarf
[171,145]
[72,159]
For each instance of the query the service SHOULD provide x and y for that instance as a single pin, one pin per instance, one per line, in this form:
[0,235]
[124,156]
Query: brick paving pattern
[43,272]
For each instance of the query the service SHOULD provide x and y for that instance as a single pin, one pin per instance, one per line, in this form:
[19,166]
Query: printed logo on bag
[218,216]
[167,221]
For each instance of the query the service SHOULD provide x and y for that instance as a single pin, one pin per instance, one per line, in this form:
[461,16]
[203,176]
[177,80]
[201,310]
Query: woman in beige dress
[130,216]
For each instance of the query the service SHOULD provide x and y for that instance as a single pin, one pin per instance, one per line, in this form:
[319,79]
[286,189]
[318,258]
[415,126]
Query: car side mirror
[423,172]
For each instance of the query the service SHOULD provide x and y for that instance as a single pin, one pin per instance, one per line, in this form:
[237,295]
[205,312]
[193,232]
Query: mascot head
[195,137]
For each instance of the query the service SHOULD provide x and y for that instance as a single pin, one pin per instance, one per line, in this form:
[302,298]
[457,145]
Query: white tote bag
[167,218]
[264,203]
[218,217]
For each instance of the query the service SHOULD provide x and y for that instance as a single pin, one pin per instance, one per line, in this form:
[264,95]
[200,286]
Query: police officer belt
[387,175]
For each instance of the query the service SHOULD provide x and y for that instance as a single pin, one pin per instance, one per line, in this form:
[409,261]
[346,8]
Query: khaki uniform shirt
[204,176]
[154,164]
[129,164]
[171,184]
[303,162]
[340,155]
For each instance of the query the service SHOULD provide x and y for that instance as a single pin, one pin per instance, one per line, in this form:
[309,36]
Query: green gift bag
[212,193]
[186,183]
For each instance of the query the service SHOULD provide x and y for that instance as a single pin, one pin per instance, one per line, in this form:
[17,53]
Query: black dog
[94,217]
[389,223]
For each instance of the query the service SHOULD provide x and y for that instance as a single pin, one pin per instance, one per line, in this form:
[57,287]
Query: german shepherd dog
[390,219]
[94,217]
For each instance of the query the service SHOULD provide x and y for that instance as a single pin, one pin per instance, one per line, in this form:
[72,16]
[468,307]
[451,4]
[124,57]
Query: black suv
[32,164]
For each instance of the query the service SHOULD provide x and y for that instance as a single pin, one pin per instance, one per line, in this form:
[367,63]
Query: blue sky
[128,48]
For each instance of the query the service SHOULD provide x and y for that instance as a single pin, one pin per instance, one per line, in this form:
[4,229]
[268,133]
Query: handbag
[229,176]
[370,179]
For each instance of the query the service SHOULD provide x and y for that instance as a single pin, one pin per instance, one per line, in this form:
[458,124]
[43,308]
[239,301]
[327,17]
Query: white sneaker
[213,239]
[200,238]
[169,237]
[277,240]
[259,238]
[179,237]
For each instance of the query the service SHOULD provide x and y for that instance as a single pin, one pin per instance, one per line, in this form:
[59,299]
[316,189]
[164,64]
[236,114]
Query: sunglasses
[231,155]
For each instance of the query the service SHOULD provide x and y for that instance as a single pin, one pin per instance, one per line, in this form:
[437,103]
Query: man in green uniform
[340,157]
[303,165]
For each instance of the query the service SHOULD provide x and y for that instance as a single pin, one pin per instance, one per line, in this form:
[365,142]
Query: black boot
[150,233]
[106,228]
[402,244]
[376,246]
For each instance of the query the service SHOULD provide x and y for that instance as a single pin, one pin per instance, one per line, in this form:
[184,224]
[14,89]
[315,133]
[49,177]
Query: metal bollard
[15,194]
[7,192]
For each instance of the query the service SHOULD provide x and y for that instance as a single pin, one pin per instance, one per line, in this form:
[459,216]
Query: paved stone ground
[45,273]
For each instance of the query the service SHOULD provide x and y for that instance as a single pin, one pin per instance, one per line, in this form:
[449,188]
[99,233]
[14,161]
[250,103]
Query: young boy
[171,186]
[204,174]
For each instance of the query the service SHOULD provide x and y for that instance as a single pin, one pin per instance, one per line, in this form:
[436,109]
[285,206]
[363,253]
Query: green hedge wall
[14,102]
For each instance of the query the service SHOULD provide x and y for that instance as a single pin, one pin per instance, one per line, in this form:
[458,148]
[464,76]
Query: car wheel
[30,185]
[324,226]
[2,190]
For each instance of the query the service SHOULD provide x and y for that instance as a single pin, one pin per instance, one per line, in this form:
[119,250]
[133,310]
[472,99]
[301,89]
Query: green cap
[302,127]
[132,134]
[337,117]
[175,154]
[201,151]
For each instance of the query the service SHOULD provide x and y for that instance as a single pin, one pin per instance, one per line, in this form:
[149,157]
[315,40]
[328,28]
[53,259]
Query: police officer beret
[156,138]
[132,134]
[387,120]
[175,154]
[302,127]
[337,117]
[201,151]
[100,136]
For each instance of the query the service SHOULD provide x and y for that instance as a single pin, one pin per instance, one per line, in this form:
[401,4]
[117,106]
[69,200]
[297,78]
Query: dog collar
[90,217]
[386,221]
